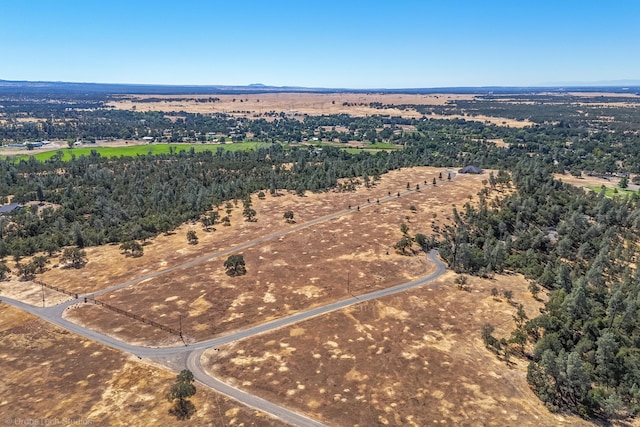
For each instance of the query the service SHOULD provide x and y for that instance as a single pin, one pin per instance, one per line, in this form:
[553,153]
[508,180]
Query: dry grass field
[587,181]
[413,359]
[299,104]
[302,269]
[53,377]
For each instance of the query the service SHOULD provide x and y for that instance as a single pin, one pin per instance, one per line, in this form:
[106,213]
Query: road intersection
[188,356]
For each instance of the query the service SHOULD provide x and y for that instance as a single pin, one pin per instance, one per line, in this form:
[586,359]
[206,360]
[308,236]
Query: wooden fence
[135,316]
[55,288]
[112,308]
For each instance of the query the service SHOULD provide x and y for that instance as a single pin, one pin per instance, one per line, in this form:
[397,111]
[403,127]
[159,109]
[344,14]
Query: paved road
[54,315]
[189,356]
[182,357]
[251,400]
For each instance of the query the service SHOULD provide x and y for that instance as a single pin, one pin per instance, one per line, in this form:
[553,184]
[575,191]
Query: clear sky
[337,44]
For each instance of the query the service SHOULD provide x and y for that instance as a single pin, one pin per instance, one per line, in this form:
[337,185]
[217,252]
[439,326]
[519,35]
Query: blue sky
[354,44]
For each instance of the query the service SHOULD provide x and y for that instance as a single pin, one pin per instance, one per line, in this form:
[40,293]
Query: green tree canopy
[235,265]
[179,393]
[74,257]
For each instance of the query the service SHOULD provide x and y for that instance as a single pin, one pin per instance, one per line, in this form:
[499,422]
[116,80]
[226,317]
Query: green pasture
[137,150]
[153,149]
[371,148]
[612,192]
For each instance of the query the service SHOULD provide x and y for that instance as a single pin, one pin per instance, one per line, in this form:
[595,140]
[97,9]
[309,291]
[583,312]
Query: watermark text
[11,421]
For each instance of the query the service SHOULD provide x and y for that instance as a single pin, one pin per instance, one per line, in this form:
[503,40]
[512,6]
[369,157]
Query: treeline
[103,200]
[116,124]
[582,149]
[582,248]
[98,194]
[574,136]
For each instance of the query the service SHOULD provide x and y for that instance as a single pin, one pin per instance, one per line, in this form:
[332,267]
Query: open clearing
[587,181]
[300,104]
[411,359]
[595,183]
[416,358]
[42,381]
[130,149]
[351,254]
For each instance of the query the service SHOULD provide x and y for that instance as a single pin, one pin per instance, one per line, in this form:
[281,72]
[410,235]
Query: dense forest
[583,348]
[583,250]
[104,200]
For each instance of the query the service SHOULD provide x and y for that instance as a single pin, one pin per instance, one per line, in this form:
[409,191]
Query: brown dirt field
[498,121]
[585,180]
[299,270]
[31,293]
[305,103]
[10,151]
[499,142]
[52,376]
[416,358]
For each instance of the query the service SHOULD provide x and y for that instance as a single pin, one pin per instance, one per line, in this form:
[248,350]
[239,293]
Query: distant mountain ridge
[44,87]
[146,89]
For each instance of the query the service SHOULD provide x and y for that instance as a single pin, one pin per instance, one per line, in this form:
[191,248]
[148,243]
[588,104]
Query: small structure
[471,169]
[11,207]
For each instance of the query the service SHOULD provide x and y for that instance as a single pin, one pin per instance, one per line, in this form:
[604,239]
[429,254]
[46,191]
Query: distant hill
[8,86]
[57,88]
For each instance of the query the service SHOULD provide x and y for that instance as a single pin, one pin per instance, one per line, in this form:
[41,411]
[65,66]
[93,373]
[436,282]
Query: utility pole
[42,285]
[180,316]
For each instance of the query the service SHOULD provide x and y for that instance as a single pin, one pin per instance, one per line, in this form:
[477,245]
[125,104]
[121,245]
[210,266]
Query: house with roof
[11,207]
[471,169]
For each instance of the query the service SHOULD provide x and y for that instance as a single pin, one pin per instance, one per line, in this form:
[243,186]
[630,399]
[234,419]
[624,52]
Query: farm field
[300,104]
[118,150]
[135,148]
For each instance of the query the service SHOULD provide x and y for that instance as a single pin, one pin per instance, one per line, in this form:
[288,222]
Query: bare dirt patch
[31,293]
[499,142]
[49,374]
[585,180]
[411,359]
[498,121]
[351,254]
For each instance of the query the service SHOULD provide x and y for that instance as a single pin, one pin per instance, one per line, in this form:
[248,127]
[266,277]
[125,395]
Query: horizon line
[255,87]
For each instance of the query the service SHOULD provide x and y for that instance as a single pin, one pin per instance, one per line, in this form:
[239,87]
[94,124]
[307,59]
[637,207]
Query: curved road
[189,356]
